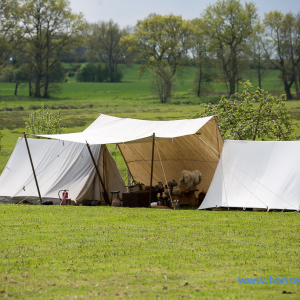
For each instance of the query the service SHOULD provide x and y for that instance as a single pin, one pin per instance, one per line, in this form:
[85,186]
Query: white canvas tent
[59,165]
[254,174]
[178,145]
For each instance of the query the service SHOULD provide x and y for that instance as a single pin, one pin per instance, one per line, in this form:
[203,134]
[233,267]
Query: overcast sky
[127,12]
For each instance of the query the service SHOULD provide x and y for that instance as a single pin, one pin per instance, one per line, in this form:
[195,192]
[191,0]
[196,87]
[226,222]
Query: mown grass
[122,253]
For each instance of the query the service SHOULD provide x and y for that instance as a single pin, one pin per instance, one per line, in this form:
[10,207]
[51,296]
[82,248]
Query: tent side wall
[255,174]
[178,154]
[59,165]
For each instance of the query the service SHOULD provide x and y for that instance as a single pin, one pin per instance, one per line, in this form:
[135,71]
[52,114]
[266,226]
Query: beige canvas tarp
[177,154]
[179,144]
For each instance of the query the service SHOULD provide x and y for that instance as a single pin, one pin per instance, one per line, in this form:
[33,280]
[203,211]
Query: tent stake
[36,182]
[150,194]
[106,197]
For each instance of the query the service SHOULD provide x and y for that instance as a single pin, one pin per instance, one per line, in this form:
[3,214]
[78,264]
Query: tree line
[227,38]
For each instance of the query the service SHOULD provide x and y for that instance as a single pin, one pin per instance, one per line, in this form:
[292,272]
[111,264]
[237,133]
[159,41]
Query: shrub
[118,75]
[33,107]
[44,121]
[7,75]
[71,74]
[86,73]
[87,106]
[8,108]
[97,73]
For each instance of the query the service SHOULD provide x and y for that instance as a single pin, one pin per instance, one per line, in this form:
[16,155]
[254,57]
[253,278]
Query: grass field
[107,253]
[123,253]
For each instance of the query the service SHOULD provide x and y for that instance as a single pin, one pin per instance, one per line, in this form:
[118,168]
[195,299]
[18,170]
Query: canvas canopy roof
[254,174]
[112,130]
[58,165]
[179,145]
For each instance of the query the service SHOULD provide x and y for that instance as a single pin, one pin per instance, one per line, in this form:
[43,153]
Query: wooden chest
[138,199]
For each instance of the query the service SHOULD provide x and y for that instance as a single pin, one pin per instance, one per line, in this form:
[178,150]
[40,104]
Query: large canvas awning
[179,145]
[112,130]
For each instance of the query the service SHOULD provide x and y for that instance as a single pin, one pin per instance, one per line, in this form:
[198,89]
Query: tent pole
[36,182]
[150,194]
[125,161]
[106,197]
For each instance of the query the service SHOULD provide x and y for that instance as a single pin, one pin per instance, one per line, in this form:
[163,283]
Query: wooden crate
[138,199]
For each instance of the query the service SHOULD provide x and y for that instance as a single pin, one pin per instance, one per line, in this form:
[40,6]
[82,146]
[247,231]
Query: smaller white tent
[58,165]
[254,174]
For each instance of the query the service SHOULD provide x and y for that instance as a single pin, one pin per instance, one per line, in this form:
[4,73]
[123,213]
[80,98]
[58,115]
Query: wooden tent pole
[151,170]
[36,182]
[106,197]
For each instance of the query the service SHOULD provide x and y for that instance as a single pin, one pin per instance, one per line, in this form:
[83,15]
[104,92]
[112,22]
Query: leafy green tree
[104,46]
[252,115]
[229,24]
[50,28]
[44,121]
[10,31]
[201,58]
[283,33]
[161,43]
[21,75]
[162,88]
[0,139]
[256,53]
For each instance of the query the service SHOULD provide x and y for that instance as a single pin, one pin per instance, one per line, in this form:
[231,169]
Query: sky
[127,12]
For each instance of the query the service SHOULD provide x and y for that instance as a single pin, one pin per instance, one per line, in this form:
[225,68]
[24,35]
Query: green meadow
[121,253]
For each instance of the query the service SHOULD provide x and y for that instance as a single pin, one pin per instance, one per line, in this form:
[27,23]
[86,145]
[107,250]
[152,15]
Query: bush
[86,73]
[61,107]
[240,118]
[7,75]
[101,73]
[97,73]
[44,121]
[33,107]
[87,106]
[8,109]
[117,77]
[58,73]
